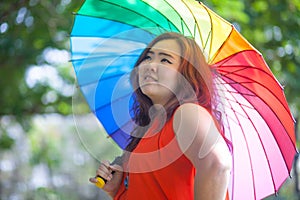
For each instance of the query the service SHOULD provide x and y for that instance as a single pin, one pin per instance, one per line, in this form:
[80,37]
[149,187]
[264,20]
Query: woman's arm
[213,173]
[202,143]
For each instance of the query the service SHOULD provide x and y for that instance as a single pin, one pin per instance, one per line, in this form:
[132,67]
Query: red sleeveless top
[158,169]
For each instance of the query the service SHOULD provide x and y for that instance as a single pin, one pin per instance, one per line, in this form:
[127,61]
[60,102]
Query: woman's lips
[149,78]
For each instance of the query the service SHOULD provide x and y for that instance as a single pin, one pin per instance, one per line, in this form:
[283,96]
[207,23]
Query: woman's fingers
[106,163]
[116,167]
[104,171]
[93,180]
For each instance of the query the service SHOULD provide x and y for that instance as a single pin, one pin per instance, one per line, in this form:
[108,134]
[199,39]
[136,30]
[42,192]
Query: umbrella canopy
[108,37]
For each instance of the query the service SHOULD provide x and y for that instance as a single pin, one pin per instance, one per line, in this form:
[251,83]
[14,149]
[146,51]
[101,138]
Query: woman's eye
[166,60]
[147,58]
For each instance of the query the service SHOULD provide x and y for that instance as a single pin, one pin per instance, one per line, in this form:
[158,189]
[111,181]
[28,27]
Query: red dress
[158,169]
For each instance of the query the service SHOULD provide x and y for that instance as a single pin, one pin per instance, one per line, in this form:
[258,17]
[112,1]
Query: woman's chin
[149,91]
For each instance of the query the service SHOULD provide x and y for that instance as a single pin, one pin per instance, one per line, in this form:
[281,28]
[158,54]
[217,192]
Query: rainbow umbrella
[106,40]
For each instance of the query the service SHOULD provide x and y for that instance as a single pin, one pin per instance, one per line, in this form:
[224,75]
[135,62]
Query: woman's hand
[114,180]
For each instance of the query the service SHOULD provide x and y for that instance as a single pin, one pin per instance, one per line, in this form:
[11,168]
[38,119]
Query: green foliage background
[37,132]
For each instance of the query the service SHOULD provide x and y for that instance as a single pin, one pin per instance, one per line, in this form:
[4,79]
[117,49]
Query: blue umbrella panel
[103,57]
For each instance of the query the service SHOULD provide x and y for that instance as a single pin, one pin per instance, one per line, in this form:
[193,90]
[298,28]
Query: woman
[177,150]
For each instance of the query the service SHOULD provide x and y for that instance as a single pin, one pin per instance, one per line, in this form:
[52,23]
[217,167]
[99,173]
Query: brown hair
[194,70]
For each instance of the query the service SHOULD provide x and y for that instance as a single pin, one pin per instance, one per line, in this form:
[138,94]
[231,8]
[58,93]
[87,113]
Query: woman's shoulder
[195,130]
[191,120]
[190,111]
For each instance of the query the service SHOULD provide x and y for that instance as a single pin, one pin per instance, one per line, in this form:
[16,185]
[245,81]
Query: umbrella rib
[222,62]
[99,56]
[250,159]
[206,42]
[274,186]
[233,157]
[233,167]
[181,20]
[262,85]
[233,101]
[169,22]
[104,78]
[106,104]
[227,117]
[228,58]
[196,25]
[211,38]
[118,5]
[241,106]
[237,70]
[253,81]
[245,67]
[235,83]
[111,134]
[227,99]
[123,22]
[115,37]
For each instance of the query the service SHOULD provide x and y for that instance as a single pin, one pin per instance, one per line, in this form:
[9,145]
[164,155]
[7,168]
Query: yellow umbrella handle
[100,182]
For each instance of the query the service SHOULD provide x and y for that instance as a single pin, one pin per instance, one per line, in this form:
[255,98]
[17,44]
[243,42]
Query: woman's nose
[151,66]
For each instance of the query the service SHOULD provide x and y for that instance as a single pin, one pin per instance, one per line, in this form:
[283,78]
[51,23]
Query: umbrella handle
[101,181]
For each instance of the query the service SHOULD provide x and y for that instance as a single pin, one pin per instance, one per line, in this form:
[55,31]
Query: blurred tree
[28,30]
[32,33]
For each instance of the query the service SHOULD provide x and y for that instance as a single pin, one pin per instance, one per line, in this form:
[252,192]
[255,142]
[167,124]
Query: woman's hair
[195,72]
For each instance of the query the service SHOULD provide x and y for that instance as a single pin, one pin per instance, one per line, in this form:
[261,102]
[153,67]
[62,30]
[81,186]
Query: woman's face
[158,72]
